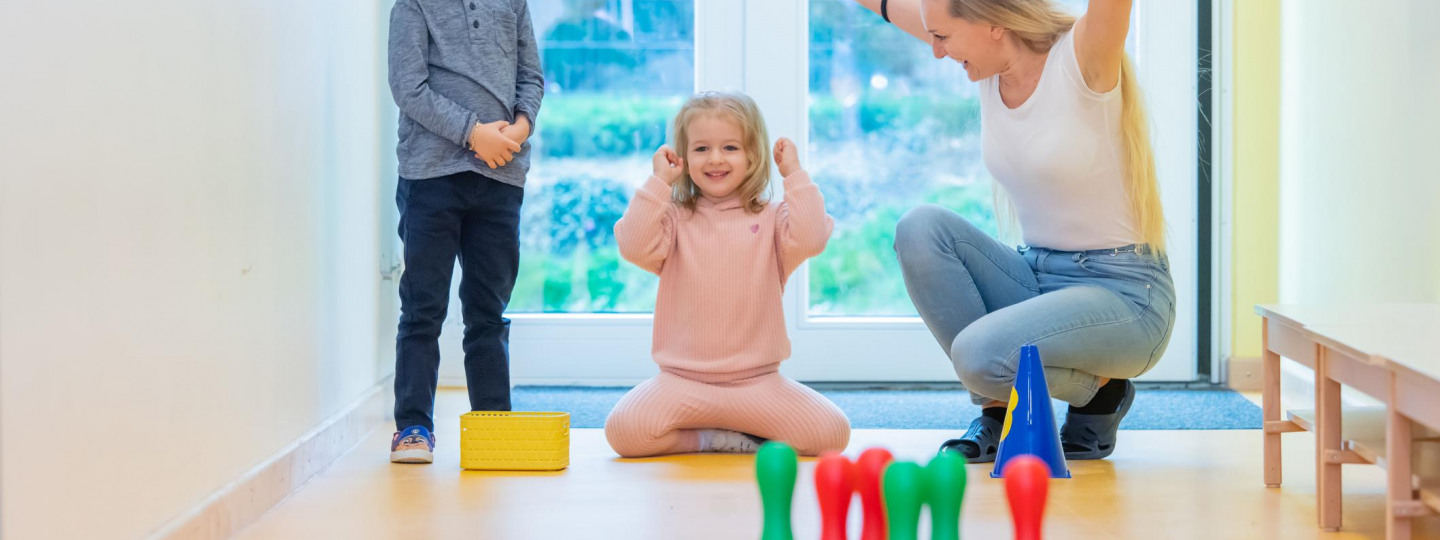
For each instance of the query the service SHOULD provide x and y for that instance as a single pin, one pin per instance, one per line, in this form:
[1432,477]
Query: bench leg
[1270,404]
[1327,437]
[1399,493]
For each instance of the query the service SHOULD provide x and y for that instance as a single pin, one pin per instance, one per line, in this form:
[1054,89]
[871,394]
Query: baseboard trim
[1242,374]
[241,502]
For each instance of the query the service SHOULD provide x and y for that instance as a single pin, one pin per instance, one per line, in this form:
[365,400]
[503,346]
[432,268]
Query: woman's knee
[981,361]
[932,225]
[918,225]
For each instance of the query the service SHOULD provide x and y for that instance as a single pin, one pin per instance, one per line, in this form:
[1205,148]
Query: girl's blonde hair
[1039,24]
[735,107]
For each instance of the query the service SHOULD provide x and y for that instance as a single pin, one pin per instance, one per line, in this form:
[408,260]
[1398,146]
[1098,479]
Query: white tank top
[1059,157]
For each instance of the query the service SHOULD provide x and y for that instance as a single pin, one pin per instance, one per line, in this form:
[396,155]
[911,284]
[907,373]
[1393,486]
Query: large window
[883,127]
[616,71]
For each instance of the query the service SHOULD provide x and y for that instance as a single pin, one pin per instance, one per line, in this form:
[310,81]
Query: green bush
[568,261]
[858,273]
[874,161]
[894,116]
[598,125]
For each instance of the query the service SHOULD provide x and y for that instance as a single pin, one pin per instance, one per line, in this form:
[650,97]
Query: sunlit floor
[1158,484]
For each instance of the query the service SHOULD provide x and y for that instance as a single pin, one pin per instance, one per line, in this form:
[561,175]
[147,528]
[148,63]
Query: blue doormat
[930,408]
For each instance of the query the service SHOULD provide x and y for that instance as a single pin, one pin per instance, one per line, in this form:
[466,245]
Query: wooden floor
[1158,484]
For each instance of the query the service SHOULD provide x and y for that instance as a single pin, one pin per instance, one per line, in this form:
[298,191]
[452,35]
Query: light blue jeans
[1100,313]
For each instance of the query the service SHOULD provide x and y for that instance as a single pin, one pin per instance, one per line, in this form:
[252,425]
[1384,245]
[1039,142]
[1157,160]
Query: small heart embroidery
[755,228]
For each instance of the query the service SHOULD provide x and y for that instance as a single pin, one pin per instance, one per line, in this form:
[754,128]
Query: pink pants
[661,415]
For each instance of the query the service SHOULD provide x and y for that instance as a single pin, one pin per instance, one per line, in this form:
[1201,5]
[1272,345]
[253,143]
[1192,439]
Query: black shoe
[979,443]
[1092,436]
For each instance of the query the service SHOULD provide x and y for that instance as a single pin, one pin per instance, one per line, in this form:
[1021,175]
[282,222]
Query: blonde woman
[1065,137]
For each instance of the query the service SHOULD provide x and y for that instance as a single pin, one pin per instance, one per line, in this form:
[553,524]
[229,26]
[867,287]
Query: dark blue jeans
[477,219]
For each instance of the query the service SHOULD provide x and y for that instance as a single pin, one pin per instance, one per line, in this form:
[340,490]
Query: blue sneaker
[414,444]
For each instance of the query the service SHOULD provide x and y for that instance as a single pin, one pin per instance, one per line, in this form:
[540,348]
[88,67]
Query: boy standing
[466,76]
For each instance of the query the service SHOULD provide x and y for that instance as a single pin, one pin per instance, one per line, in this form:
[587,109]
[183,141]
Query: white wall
[188,247]
[1360,179]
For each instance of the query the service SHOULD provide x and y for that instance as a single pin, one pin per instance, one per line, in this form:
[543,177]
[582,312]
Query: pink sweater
[722,271]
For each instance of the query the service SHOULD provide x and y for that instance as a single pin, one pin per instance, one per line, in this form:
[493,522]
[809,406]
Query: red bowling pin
[834,486]
[1027,479]
[869,466]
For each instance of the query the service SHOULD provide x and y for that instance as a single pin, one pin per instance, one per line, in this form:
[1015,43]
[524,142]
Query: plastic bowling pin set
[892,492]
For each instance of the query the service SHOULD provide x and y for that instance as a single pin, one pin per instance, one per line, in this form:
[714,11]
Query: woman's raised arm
[1100,42]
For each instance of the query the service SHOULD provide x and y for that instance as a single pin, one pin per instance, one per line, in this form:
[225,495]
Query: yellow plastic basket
[515,441]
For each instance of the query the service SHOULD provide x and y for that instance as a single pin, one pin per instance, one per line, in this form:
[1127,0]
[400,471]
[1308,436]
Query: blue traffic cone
[1029,421]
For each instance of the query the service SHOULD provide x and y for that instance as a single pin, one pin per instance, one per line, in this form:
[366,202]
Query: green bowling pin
[904,495]
[775,465]
[945,488]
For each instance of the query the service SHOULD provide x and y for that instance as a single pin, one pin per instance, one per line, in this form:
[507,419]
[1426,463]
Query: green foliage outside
[569,260]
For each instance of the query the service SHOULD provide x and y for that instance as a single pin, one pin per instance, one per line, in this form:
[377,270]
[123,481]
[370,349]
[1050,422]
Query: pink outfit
[719,324]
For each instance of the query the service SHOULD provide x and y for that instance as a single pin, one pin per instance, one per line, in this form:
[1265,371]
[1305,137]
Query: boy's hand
[492,146]
[668,165]
[519,131]
[787,157]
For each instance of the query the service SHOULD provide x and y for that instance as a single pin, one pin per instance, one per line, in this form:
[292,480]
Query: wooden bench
[1390,352]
